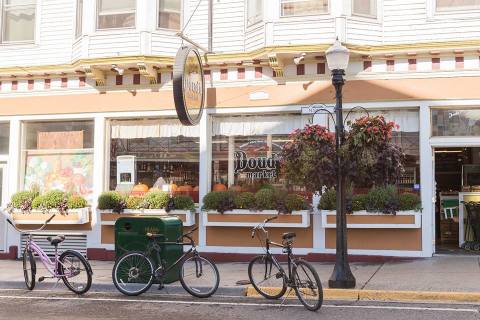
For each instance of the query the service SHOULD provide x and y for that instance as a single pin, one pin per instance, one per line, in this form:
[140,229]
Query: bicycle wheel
[199,276]
[76,271]
[132,273]
[29,268]
[307,285]
[266,277]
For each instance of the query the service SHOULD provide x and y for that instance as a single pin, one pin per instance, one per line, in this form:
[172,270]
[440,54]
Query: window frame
[158,18]
[35,23]
[374,16]
[260,16]
[327,12]
[455,10]
[97,11]
[79,18]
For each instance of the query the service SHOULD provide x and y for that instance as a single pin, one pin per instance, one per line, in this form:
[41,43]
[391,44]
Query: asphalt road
[21,304]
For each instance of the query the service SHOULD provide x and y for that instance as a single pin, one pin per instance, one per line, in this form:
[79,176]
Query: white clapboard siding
[73,241]
[364,32]
[110,44]
[255,37]
[305,30]
[229,26]
[197,29]
[165,43]
[410,21]
[54,40]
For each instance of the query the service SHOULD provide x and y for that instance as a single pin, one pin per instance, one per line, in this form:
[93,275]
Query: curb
[109,287]
[387,295]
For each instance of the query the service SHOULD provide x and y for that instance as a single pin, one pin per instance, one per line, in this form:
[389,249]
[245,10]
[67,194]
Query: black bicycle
[134,272]
[271,280]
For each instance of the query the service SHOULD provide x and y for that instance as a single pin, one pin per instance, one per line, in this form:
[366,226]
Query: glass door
[3,202]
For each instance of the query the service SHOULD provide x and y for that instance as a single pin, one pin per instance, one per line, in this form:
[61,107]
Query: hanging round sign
[188,86]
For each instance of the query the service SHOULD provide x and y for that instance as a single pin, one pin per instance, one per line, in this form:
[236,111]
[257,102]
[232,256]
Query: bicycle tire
[86,268]
[309,282]
[193,291]
[264,260]
[122,263]
[29,259]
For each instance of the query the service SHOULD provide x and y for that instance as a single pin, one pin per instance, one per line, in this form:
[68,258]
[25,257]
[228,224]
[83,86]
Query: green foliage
[219,200]
[76,202]
[409,201]
[328,200]
[156,199]
[383,199]
[37,202]
[266,199]
[110,200]
[133,202]
[183,202]
[244,200]
[53,199]
[23,199]
[294,202]
[359,202]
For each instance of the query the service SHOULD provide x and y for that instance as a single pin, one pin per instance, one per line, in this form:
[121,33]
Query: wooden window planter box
[247,218]
[375,220]
[35,217]
[109,218]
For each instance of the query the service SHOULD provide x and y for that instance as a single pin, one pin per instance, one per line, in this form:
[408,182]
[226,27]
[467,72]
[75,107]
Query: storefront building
[98,110]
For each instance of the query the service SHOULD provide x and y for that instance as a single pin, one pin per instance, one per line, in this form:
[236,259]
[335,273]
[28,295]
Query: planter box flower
[109,217]
[247,218]
[73,216]
[375,220]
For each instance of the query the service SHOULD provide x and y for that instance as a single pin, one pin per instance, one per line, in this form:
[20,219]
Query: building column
[205,168]
[14,174]
[427,187]
[99,162]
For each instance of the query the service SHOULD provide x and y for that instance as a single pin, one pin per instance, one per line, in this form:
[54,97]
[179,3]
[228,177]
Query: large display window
[58,155]
[156,153]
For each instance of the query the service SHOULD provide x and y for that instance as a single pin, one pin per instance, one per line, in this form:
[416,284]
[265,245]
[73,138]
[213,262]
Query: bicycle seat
[288,235]
[56,240]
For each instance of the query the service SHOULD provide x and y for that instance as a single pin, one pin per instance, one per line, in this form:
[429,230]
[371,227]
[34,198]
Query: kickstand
[285,296]
[56,284]
[161,286]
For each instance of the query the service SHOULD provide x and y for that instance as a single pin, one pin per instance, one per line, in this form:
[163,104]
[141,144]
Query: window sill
[23,44]
[305,18]
[115,30]
[364,17]
[454,15]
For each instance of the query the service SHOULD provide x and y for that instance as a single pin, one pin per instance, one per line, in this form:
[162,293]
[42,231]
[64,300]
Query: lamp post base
[342,278]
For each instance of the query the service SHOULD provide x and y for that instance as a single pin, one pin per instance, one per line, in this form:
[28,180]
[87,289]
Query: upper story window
[451,5]
[364,8]
[169,14]
[78,19]
[303,7]
[254,11]
[113,14]
[18,20]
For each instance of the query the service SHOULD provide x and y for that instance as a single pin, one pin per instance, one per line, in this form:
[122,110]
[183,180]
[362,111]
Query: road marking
[245,304]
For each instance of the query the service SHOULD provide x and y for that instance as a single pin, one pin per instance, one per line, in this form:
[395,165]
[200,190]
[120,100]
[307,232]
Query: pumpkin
[139,189]
[236,188]
[185,188]
[196,189]
[219,187]
[173,187]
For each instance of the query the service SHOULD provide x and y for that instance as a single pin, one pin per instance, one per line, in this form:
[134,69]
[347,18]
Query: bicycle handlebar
[29,231]
[262,225]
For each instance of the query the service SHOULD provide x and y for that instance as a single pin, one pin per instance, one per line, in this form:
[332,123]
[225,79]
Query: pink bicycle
[70,266]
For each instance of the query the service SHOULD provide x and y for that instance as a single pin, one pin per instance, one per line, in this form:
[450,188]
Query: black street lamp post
[342,277]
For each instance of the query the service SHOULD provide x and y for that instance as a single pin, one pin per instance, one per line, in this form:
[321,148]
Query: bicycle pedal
[41,279]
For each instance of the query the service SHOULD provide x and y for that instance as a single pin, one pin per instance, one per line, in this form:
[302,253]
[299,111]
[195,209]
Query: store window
[246,150]
[303,7]
[4,138]
[456,122]
[169,14]
[78,19]
[452,5]
[254,11]
[364,8]
[18,20]
[113,14]
[160,153]
[59,156]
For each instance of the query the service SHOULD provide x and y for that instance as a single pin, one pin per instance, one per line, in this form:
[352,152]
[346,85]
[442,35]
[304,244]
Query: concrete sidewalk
[392,280]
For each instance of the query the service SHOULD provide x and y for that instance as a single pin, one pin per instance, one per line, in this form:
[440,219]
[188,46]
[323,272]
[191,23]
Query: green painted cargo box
[130,235]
